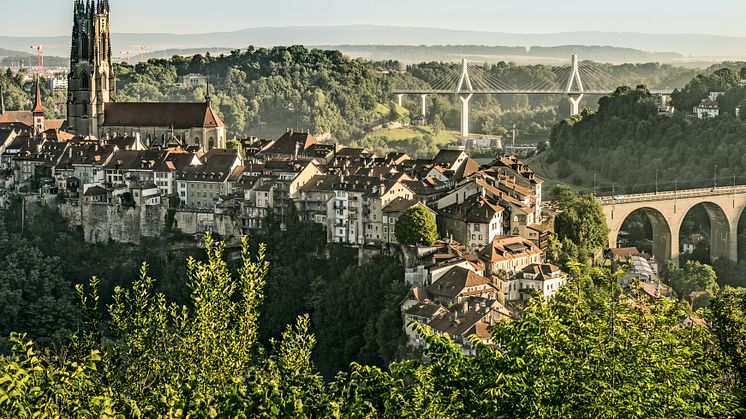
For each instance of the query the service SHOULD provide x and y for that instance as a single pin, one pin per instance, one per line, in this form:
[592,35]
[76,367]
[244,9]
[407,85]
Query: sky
[717,17]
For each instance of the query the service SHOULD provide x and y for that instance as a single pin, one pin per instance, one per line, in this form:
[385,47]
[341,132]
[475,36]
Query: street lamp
[656,181]
[715,177]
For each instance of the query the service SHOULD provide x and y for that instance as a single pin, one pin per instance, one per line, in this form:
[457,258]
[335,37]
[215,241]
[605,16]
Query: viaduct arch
[666,211]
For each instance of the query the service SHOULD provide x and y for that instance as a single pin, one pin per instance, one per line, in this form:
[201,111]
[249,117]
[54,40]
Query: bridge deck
[670,195]
[514,92]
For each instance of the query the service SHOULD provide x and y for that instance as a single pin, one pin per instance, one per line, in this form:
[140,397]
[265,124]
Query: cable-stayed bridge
[575,80]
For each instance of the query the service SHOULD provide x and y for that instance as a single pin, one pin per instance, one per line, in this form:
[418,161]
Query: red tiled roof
[291,143]
[508,247]
[37,105]
[24,117]
[55,124]
[456,280]
[157,114]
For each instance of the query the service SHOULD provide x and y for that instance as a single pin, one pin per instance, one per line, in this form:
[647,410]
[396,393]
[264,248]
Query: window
[84,80]
[84,47]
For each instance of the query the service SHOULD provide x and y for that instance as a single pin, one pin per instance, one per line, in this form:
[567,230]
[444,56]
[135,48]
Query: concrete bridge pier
[424,106]
[720,232]
[400,97]
[665,240]
[665,234]
[733,240]
[465,114]
[575,104]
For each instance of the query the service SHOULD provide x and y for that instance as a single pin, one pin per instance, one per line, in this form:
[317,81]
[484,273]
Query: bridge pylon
[465,91]
[424,106]
[400,96]
[576,94]
[465,114]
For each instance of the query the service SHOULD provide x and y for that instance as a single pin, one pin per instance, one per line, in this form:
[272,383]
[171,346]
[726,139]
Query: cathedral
[92,109]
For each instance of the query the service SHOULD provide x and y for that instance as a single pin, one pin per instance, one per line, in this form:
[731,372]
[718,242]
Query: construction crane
[141,48]
[40,56]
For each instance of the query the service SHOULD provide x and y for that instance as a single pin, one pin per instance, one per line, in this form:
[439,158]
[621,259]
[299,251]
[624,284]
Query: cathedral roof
[161,114]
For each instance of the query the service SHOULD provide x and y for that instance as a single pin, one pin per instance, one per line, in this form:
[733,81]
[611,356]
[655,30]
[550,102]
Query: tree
[580,221]
[35,298]
[729,326]
[694,277]
[585,353]
[563,196]
[626,131]
[416,226]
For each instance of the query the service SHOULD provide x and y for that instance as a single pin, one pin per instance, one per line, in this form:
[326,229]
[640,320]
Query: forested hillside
[588,353]
[262,91]
[354,308]
[627,142]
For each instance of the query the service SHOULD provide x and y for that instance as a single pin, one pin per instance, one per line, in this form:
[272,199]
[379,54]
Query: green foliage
[730,272]
[416,226]
[167,346]
[36,298]
[729,326]
[356,314]
[626,143]
[254,88]
[354,309]
[587,353]
[580,224]
[33,387]
[692,278]
[699,88]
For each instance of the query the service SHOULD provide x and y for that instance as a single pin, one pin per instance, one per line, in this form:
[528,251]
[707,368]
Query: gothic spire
[208,100]
[38,108]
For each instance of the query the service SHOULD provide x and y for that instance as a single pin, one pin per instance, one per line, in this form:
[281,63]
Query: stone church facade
[91,106]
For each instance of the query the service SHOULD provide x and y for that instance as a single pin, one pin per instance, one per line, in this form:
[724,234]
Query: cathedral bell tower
[91,81]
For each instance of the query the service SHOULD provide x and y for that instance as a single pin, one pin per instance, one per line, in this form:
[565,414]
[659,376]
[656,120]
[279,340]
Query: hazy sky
[721,17]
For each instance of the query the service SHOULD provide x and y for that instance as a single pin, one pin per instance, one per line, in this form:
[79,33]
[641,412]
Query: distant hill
[13,58]
[535,55]
[648,46]
[8,53]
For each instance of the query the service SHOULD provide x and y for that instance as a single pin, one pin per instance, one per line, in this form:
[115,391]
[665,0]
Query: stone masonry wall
[103,223]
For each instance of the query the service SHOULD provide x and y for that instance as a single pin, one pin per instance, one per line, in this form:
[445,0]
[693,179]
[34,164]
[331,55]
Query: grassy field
[383,109]
[443,137]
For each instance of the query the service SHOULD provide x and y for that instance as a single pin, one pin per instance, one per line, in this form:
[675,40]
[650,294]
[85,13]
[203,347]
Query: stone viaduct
[666,211]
